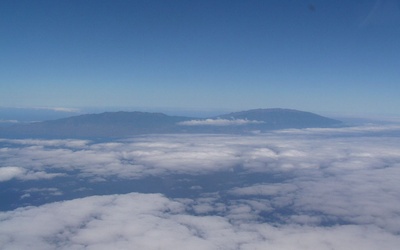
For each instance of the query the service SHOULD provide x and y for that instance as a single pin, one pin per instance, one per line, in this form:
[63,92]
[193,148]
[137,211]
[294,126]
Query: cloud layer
[302,189]
[152,221]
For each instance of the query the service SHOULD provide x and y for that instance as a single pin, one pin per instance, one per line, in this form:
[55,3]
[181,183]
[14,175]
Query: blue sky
[320,56]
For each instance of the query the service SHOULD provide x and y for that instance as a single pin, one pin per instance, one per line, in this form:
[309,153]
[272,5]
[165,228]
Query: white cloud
[8,173]
[320,191]
[39,175]
[219,122]
[152,221]
[47,191]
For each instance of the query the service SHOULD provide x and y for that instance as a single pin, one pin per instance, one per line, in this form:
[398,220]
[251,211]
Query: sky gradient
[319,56]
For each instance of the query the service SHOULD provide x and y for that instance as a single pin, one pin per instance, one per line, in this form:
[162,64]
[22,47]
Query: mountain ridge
[277,117]
[125,124]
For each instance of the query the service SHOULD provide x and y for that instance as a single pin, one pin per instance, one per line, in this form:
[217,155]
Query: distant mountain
[123,124]
[283,118]
[108,124]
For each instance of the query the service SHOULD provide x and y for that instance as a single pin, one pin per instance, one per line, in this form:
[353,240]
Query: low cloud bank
[219,122]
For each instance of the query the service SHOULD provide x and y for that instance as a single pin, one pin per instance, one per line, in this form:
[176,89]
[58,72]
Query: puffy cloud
[219,122]
[196,154]
[152,221]
[8,173]
[303,189]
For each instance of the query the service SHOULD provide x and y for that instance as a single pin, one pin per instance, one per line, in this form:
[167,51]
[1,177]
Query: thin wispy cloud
[8,121]
[371,128]
[60,109]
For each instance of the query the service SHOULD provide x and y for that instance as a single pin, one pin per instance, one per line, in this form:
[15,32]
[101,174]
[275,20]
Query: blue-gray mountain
[124,124]
[283,118]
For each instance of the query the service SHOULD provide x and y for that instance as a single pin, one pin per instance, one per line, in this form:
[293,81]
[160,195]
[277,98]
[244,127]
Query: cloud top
[8,173]
[152,221]
[219,122]
[303,189]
